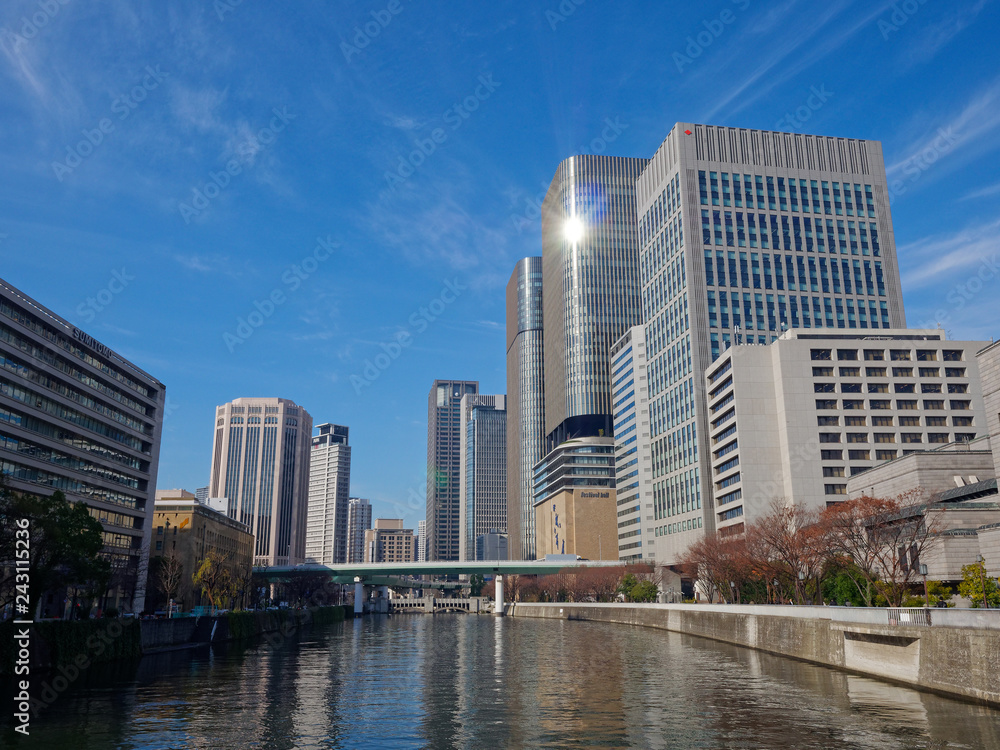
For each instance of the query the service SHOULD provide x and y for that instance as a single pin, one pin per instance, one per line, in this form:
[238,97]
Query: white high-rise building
[329,493]
[633,463]
[359,520]
[794,420]
[483,474]
[260,462]
[421,541]
[743,234]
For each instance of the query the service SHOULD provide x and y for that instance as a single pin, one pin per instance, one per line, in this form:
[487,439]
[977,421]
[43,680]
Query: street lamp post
[923,572]
[802,583]
[732,593]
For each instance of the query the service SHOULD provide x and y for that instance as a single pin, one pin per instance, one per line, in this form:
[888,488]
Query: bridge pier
[498,595]
[359,597]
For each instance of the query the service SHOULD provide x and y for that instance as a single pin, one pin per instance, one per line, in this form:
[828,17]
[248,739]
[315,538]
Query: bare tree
[169,574]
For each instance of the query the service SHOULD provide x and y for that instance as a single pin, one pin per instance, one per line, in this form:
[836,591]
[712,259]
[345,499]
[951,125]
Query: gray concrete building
[743,234]
[329,495]
[444,467]
[492,545]
[525,401]
[260,462]
[796,419]
[76,416]
[633,462]
[483,473]
[359,520]
[989,375]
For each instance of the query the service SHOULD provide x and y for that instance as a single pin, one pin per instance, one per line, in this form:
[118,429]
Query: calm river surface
[463,681]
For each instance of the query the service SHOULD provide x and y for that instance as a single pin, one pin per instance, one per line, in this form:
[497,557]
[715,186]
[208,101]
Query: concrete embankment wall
[958,654]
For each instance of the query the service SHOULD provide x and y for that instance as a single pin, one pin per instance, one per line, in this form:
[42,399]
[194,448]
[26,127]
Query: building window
[885,437]
[878,404]
[829,437]
[960,405]
[954,372]
[847,354]
[874,355]
[854,404]
[828,421]
[937,437]
[899,355]
[911,437]
[857,437]
[855,421]
[881,421]
[835,489]
[826,403]
[858,455]
[929,372]
[902,372]
[961,421]
[885,455]
[952,355]
[906,404]
[833,471]
[821,354]
[876,372]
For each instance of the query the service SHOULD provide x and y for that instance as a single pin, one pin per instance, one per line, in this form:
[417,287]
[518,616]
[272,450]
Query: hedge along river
[466,681]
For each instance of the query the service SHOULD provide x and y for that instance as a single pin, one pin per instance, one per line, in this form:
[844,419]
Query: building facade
[743,234]
[329,494]
[989,375]
[794,420]
[78,417]
[492,545]
[421,541]
[444,467]
[575,507]
[525,401]
[483,478]
[260,462]
[633,462]
[359,520]
[388,542]
[592,289]
[186,532]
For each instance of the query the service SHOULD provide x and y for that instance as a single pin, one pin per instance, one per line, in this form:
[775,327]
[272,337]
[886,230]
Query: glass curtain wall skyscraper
[525,402]
[590,268]
[745,233]
[444,466]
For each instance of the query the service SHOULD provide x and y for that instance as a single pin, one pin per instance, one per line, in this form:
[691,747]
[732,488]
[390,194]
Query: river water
[466,681]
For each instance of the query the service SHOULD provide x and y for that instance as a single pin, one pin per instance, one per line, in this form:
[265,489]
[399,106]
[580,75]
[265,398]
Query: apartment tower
[329,494]
[483,436]
[359,520]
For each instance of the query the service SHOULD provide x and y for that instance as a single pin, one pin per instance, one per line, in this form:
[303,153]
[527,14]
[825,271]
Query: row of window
[896,387]
[675,528]
[774,193]
[772,232]
[895,355]
[903,404]
[879,421]
[890,437]
[897,372]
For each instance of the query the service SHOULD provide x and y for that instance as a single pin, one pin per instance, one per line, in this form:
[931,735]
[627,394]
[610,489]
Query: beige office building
[389,542]
[795,419]
[188,531]
[260,462]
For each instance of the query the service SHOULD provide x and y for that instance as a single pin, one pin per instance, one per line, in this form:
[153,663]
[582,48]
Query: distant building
[359,520]
[260,461]
[78,417]
[575,510]
[483,477]
[525,401]
[633,459]
[201,494]
[491,546]
[388,542]
[989,376]
[185,533]
[421,541]
[329,493]
[795,419]
[444,467]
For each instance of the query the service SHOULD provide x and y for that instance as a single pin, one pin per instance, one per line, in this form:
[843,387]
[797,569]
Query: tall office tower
[793,420]
[201,494]
[260,462]
[329,493]
[388,542]
[590,268]
[795,233]
[483,473]
[359,520]
[525,402]
[444,466]
[633,462]
[78,417]
[421,541]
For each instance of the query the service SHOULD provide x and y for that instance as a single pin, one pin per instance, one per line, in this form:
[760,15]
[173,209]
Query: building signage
[88,340]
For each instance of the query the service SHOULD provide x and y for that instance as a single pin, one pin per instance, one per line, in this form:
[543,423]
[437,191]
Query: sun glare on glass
[573,230]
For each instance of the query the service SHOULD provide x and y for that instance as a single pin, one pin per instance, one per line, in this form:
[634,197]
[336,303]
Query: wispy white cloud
[985,192]
[936,259]
[931,39]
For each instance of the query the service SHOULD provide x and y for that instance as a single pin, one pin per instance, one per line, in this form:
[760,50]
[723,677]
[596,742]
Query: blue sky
[377,168]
